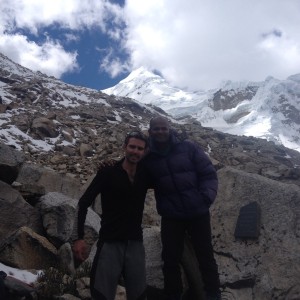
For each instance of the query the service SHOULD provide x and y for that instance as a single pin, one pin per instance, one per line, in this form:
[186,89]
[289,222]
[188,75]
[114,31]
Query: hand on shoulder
[106,163]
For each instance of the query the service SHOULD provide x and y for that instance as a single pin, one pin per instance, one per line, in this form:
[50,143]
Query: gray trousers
[116,259]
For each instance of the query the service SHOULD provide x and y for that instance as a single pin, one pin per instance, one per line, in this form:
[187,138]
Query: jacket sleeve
[87,199]
[207,175]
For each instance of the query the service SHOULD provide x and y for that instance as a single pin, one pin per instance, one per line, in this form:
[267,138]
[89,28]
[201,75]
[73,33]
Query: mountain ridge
[64,131]
[269,109]
[71,128]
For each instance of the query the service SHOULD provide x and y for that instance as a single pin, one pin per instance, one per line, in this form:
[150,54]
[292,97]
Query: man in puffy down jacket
[185,186]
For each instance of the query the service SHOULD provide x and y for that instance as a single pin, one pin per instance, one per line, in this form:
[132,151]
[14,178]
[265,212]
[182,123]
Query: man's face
[134,150]
[160,131]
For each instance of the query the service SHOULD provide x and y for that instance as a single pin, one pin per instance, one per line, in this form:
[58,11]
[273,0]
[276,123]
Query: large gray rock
[153,257]
[15,212]
[150,216]
[19,289]
[50,180]
[91,228]
[10,163]
[66,258]
[190,272]
[58,214]
[44,127]
[25,249]
[267,267]
[86,150]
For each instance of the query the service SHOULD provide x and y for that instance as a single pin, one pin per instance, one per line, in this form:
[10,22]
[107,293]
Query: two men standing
[185,185]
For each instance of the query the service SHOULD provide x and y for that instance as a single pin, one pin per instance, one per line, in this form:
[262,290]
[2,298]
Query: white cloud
[284,50]
[113,65]
[198,43]
[49,58]
[48,55]
[72,14]
[195,43]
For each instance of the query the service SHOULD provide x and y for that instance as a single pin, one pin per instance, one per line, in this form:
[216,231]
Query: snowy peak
[149,88]
[268,109]
[141,72]
[295,78]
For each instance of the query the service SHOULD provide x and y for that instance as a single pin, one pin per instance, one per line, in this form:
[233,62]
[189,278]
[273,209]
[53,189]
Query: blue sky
[194,44]
[92,49]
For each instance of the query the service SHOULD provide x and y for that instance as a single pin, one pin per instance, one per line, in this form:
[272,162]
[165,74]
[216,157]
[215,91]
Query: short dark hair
[161,118]
[137,135]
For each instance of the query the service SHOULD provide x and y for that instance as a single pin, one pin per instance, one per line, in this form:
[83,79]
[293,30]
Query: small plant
[83,271]
[55,282]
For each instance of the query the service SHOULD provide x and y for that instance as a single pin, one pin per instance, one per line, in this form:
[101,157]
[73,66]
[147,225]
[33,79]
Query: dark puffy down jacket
[184,180]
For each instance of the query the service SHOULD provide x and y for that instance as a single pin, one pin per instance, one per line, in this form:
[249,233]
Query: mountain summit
[269,109]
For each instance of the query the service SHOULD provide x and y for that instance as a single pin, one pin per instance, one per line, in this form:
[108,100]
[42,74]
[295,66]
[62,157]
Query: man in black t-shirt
[120,250]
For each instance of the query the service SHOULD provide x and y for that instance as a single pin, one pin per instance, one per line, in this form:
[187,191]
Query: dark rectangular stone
[248,222]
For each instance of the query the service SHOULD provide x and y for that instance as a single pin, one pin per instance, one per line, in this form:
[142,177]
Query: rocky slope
[52,137]
[38,213]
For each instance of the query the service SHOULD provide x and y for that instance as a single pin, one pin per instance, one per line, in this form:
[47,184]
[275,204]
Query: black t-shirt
[122,203]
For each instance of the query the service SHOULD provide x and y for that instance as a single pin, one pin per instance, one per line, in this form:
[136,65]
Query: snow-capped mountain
[268,109]
[71,128]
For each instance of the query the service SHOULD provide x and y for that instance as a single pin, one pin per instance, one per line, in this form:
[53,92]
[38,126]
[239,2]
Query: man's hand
[106,163]
[80,250]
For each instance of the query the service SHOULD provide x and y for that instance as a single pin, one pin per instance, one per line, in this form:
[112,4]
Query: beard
[133,158]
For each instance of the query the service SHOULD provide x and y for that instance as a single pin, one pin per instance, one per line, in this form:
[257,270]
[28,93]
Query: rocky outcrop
[15,288]
[43,127]
[36,178]
[38,234]
[16,212]
[266,267]
[53,137]
[58,213]
[25,249]
[10,163]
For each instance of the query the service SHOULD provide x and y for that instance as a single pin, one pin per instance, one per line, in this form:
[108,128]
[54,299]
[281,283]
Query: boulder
[85,150]
[66,258]
[50,180]
[266,267]
[59,217]
[11,161]
[26,249]
[44,127]
[58,214]
[18,288]
[15,212]
[153,257]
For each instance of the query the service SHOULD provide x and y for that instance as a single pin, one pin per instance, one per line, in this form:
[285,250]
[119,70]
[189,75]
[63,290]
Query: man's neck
[130,168]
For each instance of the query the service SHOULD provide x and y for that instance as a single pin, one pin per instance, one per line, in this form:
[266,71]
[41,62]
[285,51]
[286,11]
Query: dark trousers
[172,235]
[3,291]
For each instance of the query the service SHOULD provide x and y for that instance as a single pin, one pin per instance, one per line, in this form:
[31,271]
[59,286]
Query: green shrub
[54,282]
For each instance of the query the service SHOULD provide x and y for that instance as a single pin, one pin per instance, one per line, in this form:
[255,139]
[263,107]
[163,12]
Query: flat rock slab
[248,222]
